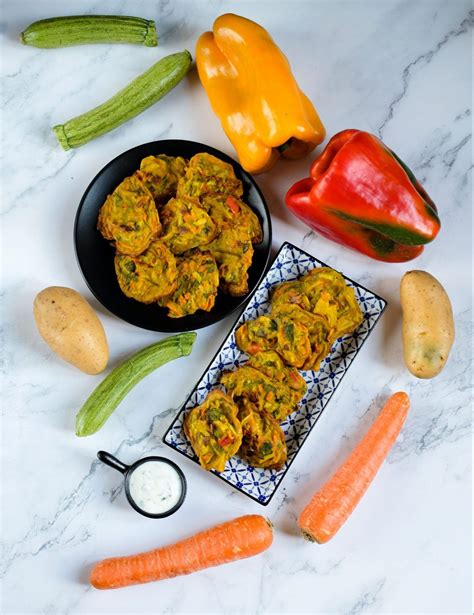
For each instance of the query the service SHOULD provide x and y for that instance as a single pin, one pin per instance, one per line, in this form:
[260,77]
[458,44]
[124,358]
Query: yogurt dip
[155,487]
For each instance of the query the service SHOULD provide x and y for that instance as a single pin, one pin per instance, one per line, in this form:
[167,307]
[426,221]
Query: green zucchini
[110,392]
[86,29]
[134,98]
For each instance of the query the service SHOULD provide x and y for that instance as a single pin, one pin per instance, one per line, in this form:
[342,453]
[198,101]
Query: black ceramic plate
[95,255]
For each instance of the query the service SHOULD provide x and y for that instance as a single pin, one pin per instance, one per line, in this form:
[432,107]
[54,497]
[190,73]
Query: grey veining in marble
[400,69]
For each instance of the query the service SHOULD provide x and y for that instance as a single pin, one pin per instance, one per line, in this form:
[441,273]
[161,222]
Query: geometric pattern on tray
[257,483]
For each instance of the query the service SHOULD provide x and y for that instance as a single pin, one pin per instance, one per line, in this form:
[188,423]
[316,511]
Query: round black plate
[96,256]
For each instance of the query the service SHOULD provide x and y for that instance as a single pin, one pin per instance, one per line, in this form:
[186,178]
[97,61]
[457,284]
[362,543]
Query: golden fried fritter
[290,292]
[207,174]
[293,343]
[319,333]
[197,283]
[271,364]
[257,335]
[238,227]
[160,174]
[148,276]
[230,212]
[330,297]
[214,430]
[129,217]
[267,395]
[263,441]
[185,225]
[233,252]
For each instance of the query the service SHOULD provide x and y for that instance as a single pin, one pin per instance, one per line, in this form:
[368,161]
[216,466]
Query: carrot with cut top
[237,539]
[331,506]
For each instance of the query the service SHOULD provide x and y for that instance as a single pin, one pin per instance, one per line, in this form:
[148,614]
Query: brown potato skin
[71,328]
[428,324]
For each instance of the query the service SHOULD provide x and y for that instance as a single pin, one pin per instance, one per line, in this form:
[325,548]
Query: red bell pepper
[363,196]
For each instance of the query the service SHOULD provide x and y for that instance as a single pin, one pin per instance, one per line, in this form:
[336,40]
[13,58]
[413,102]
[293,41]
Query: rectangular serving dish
[259,484]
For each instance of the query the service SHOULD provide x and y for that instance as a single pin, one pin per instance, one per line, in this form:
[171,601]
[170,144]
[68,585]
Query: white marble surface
[398,69]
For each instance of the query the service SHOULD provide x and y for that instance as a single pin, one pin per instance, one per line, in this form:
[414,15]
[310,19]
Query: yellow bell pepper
[251,88]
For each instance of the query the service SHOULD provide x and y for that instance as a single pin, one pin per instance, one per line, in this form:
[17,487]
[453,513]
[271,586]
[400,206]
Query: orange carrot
[331,506]
[233,540]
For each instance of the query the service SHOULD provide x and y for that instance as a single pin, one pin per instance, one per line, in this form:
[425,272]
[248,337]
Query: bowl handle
[112,461]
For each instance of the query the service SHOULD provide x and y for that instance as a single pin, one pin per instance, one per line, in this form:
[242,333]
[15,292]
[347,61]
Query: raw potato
[428,324]
[70,327]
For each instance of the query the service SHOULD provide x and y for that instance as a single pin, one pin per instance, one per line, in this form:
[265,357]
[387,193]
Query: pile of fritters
[181,233]
[262,393]
[306,317]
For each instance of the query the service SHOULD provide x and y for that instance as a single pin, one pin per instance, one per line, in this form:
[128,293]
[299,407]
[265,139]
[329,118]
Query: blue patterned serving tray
[260,485]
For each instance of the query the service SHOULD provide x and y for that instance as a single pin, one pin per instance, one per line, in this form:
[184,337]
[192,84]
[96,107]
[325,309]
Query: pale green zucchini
[110,392]
[134,98]
[87,29]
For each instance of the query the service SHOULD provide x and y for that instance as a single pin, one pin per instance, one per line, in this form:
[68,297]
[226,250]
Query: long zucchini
[86,29]
[110,392]
[134,98]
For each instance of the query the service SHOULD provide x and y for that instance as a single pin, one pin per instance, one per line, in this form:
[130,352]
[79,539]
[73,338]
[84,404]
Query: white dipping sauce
[155,487]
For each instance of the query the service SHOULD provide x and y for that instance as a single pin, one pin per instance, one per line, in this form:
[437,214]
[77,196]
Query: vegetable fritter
[160,174]
[207,174]
[319,334]
[238,228]
[129,217]
[197,283]
[271,364]
[263,441]
[214,430]
[257,335]
[330,296]
[290,292]
[229,212]
[233,252]
[267,395]
[149,276]
[293,342]
[185,225]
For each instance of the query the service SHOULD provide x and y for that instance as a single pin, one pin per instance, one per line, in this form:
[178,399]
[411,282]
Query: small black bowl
[95,255]
[127,471]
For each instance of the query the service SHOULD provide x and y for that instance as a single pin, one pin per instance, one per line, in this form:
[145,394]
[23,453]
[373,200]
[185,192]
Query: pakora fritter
[267,395]
[230,212]
[257,335]
[214,430]
[319,333]
[238,228]
[206,175]
[233,252]
[160,174]
[185,225]
[263,441]
[293,342]
[197,283]
[290,292]
[271,364]
[330,296]
[129,217]
[149,276]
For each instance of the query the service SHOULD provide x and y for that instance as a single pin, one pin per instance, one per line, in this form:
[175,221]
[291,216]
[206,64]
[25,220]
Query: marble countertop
[398,69]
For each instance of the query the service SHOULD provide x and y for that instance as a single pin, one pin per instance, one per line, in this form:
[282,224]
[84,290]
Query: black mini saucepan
[128,471]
